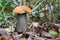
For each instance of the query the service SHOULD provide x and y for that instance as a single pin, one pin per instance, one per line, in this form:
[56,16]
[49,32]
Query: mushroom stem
[21,23]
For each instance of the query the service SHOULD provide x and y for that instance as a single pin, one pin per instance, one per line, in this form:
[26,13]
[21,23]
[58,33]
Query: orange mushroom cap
[22,9]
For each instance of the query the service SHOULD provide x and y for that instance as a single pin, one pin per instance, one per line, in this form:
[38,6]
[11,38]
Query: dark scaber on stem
[21,25]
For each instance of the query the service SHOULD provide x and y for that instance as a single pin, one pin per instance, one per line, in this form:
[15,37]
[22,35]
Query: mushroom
[21,25]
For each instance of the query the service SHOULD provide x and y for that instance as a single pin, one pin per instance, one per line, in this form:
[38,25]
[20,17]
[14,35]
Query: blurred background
[44,18]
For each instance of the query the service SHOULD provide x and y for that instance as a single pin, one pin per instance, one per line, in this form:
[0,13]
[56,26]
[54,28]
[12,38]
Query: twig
[30,26]
[21,2]
[11,23]
[12,16]
[38,5]
[24,2]
[3,8]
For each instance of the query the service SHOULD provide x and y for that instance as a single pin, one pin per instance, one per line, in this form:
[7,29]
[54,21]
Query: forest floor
[35,32]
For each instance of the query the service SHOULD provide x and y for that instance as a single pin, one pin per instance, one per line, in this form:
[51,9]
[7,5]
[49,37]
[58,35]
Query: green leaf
[48,1]
[1,1]
[53,32]
[1,18]
[59,30]
[7,16]
[8,0]
[12,5]
[13,14]
[42,5]
[1,15]
[1,5]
